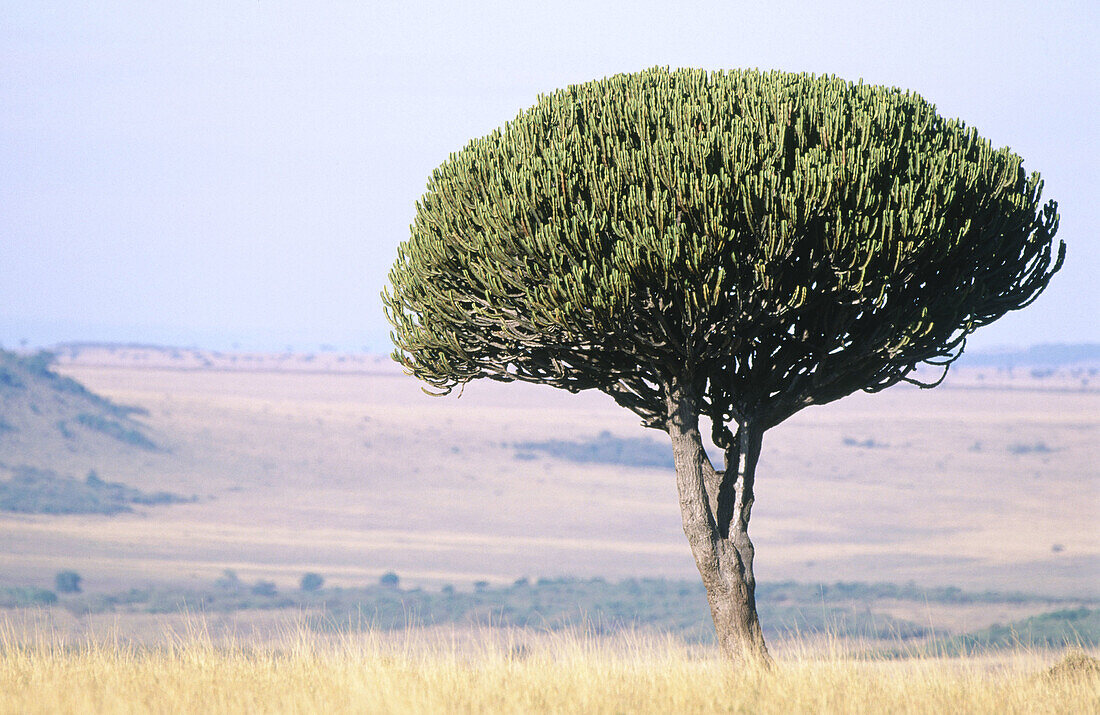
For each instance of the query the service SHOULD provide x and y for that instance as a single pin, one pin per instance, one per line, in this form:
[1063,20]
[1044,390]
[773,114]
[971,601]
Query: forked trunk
[715,507]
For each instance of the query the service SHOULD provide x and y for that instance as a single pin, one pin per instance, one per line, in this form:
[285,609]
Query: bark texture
[715,507]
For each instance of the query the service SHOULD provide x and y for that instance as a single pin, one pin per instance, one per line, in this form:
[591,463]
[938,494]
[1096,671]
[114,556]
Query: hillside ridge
[46,416]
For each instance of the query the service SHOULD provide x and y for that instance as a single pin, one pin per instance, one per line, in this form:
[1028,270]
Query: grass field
[515,673]
[350,471]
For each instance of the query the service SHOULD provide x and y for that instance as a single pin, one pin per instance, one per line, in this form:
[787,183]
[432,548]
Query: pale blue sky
[219,173]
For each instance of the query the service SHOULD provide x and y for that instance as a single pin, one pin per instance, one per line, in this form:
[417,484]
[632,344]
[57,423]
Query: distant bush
[793,591]
[676,607]
[39,363]
[41,491]
[389,580]
[1074,627]
[67,582]
[604,449]
[228,580]
[26,597]
[9,378]
[116,430]
[312,582]
[868,443]
[1036,448]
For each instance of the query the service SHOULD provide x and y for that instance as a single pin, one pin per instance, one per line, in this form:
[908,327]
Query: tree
[389,580]
[228,581]
[312,582]
[67,582]
[263,588]
[735,246]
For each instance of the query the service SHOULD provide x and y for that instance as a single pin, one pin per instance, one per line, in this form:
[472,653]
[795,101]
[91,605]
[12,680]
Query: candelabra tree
[733,245]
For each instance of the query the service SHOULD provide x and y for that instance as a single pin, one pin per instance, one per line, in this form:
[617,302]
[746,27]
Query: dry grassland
[568,673]
[354,472]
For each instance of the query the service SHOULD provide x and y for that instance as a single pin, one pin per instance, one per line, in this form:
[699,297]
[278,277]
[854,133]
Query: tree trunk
[715,507]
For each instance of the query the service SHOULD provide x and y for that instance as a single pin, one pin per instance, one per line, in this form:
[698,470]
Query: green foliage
[67,582]
[41,491]
[772,240]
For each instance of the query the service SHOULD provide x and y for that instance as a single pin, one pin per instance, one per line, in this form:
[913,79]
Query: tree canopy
[772,240]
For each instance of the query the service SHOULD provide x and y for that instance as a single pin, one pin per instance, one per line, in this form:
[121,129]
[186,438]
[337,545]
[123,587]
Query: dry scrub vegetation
[516,673]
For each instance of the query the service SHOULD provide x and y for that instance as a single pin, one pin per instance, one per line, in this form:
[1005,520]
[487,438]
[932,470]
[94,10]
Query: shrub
[8,378]
[1036,448]
[25,596]
[312,582]
[67,582]
[389,580]
[228,581]
[604,449]
[39,363]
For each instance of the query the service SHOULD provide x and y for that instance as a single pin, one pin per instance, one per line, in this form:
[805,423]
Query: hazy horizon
[25,346]
[226,175]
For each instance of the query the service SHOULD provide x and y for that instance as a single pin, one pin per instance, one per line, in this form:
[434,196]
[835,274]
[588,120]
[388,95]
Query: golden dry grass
[553,674]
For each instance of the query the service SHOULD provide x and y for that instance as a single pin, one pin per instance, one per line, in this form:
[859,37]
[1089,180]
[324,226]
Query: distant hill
[1049,355]
[41,491]
[163,357]
[1046,355]
[46,417]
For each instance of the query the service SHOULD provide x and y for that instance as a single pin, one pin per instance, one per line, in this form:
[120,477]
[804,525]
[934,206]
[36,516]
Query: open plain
[341,465]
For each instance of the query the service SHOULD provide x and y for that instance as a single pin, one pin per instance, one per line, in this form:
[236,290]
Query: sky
[239,174]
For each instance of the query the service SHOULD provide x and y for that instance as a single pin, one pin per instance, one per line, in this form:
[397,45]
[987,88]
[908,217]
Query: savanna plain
[980,497]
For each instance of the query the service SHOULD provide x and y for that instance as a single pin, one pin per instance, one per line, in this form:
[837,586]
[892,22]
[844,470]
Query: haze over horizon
[239,175]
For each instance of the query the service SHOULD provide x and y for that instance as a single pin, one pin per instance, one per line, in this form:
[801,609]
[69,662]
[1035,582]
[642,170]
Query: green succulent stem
[766,241]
